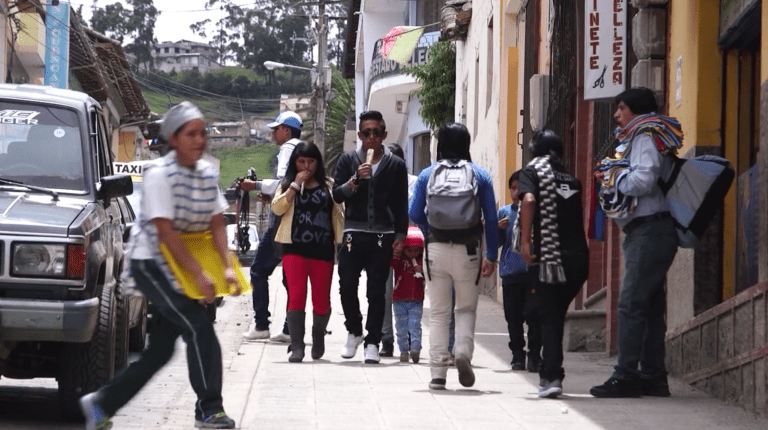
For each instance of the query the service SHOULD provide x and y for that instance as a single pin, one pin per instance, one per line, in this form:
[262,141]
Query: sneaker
[216,421]
[437,384]
[281,337]
[371,354]
[415,356]
[617,388]
[658,387]
[542,383]
[550,389]
[534,364]
[404,357]
[387,348]
[466,375]
[95,418]
[255,334]
[518,365]
[350,349]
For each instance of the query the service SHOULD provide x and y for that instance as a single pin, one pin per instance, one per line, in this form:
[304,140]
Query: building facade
[382,84]
[707,70]
[185,55]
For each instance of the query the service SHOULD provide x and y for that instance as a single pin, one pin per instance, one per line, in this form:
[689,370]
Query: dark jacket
[379,204]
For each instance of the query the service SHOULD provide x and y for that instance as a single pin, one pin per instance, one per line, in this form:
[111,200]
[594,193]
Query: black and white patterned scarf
[550,264]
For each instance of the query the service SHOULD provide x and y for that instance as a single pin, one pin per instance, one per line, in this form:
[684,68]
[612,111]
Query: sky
[174,20]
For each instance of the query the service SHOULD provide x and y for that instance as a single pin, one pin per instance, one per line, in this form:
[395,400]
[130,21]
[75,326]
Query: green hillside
[235,162]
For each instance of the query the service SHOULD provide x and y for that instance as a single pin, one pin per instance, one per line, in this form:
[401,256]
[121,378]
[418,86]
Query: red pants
[320,273]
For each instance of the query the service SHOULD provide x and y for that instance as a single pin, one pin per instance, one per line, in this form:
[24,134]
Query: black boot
[387,348]
[296,329]
[319,324]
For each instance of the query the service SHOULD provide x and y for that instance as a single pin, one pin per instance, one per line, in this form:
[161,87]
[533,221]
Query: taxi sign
[133,168]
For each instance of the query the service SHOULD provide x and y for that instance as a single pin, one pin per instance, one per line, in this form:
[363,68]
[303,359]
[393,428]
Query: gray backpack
[453,211]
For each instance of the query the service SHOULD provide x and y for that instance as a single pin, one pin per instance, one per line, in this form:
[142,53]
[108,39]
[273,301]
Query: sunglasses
[371,131]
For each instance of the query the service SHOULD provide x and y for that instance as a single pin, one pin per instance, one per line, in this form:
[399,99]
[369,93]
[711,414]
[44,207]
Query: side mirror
[115,186]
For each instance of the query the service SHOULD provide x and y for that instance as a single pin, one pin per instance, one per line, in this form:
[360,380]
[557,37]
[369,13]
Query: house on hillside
[185,55]
[228,135]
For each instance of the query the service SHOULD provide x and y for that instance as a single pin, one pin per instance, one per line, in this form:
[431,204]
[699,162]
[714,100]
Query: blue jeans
[408,324]
[649,250]
[264,263]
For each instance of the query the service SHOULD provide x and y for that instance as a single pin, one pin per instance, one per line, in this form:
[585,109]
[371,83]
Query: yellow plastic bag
[202,248]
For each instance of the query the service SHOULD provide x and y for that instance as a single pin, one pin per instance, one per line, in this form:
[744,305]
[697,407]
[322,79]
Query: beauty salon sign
[605,48]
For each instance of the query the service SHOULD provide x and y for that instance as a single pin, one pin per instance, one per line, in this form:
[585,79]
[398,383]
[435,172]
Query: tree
[241,86]
[438,85]
[341,110]
[254,35]
[137,23]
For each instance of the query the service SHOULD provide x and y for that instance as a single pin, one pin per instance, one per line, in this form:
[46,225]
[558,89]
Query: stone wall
[724,351]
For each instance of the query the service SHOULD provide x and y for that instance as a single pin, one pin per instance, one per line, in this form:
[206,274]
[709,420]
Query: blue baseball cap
[289,118]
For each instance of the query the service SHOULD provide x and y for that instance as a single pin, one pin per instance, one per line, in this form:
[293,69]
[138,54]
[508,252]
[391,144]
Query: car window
[41,145]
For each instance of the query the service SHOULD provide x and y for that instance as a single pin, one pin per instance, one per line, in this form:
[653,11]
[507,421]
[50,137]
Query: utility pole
[323,74]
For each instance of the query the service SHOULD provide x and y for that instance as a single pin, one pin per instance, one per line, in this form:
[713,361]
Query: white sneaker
[371,354]
[255,334]
[350,349]
[281,337]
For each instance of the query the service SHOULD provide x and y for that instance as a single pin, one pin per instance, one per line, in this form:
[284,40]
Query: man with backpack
[647,142]
[448,201]
[373,185]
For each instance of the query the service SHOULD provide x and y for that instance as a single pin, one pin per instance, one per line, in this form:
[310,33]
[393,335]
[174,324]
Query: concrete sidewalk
[263,391]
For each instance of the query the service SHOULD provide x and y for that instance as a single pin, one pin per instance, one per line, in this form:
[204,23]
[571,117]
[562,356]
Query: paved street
[263,391]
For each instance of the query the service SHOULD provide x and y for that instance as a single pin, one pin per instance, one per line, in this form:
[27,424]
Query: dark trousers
[649,250]
[264,264]
[176,315]
[554,300]
[520,306]
[364,252]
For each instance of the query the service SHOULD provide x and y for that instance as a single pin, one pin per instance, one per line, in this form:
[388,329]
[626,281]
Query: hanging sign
[605,48]
[57,44]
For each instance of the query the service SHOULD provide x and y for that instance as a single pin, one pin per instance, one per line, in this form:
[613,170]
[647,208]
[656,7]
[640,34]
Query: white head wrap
[177,116]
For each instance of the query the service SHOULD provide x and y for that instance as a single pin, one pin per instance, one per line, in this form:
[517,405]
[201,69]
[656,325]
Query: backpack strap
[677,164]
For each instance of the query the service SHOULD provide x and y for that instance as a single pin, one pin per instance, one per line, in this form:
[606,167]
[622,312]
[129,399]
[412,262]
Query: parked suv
[63,221]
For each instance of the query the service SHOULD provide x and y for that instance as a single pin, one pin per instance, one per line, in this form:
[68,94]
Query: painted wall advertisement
[57,41]
[605,48]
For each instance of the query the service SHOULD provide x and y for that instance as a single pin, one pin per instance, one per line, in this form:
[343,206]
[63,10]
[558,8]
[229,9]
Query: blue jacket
[510,263]
[487,206]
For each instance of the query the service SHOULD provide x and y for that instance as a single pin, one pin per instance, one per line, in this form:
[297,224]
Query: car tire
[137,336]
[84,367]
[121,329]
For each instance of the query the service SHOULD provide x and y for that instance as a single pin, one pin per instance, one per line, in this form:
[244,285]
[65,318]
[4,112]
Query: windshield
[41,146]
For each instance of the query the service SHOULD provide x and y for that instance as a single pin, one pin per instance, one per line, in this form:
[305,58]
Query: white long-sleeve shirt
[269,186]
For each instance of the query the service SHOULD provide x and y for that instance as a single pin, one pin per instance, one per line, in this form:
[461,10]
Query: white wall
[485,142]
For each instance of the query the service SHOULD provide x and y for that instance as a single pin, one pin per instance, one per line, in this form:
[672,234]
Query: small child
[517,285]
[408,295]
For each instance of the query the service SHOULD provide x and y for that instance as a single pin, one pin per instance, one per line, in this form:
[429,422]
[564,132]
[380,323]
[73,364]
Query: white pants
[451,268]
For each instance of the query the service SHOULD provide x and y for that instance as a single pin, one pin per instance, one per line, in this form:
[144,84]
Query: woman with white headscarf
[181,195]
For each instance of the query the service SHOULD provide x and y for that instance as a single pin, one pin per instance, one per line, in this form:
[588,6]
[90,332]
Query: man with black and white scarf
[553,243]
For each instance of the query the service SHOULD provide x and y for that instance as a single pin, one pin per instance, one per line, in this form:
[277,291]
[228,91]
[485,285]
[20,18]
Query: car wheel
[84,367]
[137,336]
